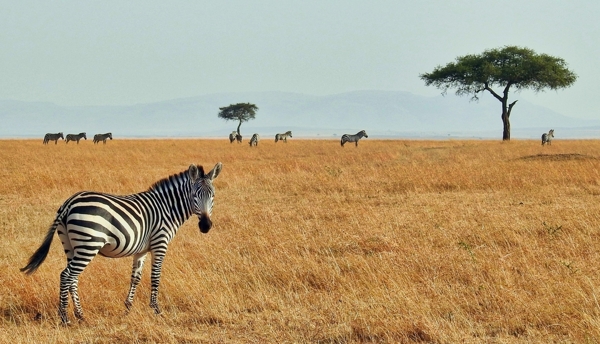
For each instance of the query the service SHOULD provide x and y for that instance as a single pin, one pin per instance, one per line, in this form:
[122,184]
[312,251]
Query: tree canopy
[241,112]
[509,67]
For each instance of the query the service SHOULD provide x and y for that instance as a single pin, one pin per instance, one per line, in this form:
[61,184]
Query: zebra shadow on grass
[558,157]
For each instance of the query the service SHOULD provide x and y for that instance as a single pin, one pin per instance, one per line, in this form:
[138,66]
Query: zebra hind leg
[136,276]
[68,284]
[75,296]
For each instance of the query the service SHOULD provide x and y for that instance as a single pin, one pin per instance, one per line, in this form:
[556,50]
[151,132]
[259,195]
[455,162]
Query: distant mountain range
[381,113]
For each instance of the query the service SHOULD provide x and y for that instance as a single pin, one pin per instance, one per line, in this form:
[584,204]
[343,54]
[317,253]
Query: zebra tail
[40,254]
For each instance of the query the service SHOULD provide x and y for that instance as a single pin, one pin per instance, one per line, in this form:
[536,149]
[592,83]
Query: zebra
[91,223]
[235,136]
[283,136]
[73,137]
[102,137]
[353,138]
[547,138]
[254,140]
[232,136]
[53,137]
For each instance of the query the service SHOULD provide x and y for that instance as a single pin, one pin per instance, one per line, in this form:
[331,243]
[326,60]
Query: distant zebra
[73,137]
[53,137]
[254,140]
[232,136]
[91,223]
[547,138]
[353,138]
[283,136]
[238,137]
[102,137]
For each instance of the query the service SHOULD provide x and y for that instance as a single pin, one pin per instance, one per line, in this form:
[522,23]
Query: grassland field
[394,241]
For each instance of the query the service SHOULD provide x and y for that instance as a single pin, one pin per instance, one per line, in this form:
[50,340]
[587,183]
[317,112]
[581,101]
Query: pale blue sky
[128,52]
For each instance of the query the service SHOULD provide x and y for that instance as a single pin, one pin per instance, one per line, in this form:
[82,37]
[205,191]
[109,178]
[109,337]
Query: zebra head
[203,194]
[84,136]
[61,135]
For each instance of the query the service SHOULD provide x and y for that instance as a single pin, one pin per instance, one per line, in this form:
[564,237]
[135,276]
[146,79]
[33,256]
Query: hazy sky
[127,52]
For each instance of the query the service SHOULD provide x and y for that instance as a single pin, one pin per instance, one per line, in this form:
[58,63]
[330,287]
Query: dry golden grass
[393,241]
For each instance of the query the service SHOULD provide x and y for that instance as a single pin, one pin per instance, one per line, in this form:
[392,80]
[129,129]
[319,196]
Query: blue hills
[381,113]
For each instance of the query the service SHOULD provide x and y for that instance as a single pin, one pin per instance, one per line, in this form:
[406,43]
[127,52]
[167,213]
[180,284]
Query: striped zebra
[91,223]
[102,137]
[53,137]
[547,138]
[235,136]
[73,137]
[254,140]
[353,138]
[283,136]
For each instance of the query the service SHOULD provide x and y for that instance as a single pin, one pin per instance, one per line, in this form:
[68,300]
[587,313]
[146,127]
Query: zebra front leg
[157,261]
[136,276]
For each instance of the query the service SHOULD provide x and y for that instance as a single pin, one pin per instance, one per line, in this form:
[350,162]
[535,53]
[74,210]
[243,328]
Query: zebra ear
[214,173]
[194,172]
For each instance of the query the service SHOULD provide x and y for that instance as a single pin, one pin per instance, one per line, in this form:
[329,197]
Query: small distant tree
[509,67]
[241,112]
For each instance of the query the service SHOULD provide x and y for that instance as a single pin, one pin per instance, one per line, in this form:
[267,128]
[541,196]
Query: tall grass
[393,241]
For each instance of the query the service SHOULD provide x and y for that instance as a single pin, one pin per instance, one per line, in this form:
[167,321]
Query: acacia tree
[241,112]
[509,67]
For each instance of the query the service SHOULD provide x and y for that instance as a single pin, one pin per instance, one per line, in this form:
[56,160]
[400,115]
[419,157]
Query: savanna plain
[393,241]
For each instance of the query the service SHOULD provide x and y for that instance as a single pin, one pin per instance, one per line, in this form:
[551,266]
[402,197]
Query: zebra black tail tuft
[40,254]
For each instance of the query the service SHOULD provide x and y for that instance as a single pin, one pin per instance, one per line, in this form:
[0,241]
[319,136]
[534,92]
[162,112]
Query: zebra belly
[111,239]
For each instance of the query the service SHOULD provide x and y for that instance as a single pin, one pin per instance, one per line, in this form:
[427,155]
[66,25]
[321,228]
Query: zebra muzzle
[204,224]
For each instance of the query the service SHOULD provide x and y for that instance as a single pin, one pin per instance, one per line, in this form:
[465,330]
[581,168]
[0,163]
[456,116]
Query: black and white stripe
[254,140]
[91,223]
[353,138]
[73,137]
[547,138]
[283,136]
[102,137]
[53,137]
[235,136]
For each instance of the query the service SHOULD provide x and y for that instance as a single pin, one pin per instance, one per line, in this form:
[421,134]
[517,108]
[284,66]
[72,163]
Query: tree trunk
[506,119]
[506,123]
[238,129]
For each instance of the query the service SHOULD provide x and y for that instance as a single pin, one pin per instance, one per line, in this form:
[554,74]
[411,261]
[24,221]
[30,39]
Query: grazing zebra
[283,136]
[254,140]
[353,138]
[102,137]
[53,137]
[238,137]
[91,223]
[73,137]
[547,138]
[232,136]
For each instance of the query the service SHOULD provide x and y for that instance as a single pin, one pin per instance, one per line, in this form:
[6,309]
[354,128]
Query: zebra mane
[175,179]
[170,180]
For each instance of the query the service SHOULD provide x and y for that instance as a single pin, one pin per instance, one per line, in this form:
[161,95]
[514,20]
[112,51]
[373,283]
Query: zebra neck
[174,194]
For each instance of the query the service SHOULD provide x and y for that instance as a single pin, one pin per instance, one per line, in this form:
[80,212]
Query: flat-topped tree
[508,67]
[241,112]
